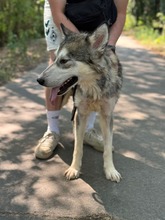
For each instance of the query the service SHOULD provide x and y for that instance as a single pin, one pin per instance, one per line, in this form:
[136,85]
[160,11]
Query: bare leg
[49,141]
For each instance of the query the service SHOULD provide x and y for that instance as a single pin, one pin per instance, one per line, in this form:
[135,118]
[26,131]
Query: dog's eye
[63,61]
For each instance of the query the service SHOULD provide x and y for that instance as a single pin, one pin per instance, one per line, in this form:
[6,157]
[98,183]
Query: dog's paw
[72,173]
[113,175]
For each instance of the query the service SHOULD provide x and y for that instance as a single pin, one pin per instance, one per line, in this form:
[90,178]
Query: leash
[74,107]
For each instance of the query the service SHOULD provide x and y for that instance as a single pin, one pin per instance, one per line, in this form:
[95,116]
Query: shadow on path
[37,188]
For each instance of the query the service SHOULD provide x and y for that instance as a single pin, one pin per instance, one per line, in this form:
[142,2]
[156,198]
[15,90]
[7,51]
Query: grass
[146,35]
[14,63]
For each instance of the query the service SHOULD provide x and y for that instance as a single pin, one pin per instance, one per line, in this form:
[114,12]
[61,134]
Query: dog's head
[74,59]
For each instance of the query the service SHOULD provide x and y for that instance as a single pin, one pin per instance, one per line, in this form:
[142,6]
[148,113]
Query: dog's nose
[41,81]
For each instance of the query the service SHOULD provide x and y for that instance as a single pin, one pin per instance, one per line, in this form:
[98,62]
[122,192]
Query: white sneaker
[94,140]
[46,145]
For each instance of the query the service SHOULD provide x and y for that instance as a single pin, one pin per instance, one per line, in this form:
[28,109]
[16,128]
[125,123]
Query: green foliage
[146,11]
[130,22]
[140,13]
[19,21]
[147,23]
[159,22]
[146,34]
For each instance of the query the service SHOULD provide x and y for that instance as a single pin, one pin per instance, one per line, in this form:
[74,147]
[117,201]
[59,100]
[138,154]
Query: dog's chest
[87,105]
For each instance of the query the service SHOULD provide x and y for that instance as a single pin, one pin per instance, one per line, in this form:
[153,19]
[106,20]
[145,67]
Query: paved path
[33,189]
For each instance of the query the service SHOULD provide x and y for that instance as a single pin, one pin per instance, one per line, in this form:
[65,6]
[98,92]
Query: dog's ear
[65,31]
[99,38]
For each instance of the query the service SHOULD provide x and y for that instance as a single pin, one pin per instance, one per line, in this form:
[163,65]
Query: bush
[19,21]
[148,35]
[146,22]
[130,22]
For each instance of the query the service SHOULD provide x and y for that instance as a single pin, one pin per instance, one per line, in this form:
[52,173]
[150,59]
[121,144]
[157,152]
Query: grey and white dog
[85,60]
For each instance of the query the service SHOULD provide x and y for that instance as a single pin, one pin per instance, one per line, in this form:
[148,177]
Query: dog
[85,60]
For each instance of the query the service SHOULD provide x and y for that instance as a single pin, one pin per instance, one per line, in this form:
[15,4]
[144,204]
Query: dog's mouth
[65,87]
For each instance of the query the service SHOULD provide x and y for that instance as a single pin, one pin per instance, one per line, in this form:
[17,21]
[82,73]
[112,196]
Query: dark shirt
[75,1]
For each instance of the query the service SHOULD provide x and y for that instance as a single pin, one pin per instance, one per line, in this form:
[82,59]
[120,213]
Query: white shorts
[52,33]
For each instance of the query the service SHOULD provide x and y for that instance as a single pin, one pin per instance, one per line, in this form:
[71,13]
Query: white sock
[53,121]
[91,121]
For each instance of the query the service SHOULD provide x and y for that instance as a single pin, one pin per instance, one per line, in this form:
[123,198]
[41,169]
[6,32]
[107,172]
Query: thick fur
[99,83]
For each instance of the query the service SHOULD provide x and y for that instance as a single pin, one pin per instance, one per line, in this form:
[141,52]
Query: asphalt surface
[34,189]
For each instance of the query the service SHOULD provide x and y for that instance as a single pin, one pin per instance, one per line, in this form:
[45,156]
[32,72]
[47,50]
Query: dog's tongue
[53,95]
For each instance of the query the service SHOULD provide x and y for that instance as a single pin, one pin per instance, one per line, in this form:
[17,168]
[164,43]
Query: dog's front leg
[106,123]
[79,129]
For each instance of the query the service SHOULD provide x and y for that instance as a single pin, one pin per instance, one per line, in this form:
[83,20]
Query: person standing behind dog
[54,15]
